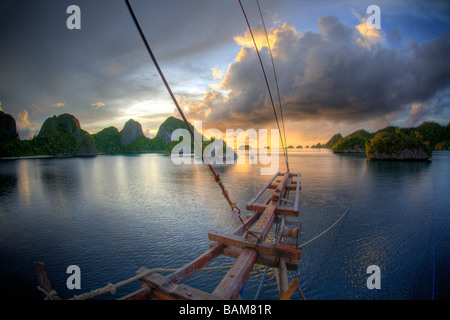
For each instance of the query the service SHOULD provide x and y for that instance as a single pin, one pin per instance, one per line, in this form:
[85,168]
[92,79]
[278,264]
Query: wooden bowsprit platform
[247,244]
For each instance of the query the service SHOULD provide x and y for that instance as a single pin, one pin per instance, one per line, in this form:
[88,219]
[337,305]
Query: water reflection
[118,213]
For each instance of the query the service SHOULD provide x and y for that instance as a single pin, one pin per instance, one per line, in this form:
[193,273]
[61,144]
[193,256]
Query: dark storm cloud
[333,73]
[339,74]
[44,64]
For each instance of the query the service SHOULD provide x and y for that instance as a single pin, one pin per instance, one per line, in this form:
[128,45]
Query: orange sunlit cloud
[23,118]
[98,105]
[368,36]
[59,104]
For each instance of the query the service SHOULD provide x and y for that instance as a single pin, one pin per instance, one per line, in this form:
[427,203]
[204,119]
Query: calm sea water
[111,215]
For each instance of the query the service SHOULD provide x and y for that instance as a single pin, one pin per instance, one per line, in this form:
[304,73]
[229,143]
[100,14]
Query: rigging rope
[267,83]
[342,216]
[235,209]
[113,287]
[276,81]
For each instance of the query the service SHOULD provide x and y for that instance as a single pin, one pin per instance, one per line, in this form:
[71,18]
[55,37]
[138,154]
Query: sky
[335,75]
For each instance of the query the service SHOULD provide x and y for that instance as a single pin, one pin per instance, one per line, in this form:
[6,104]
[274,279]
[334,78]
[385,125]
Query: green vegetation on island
[353,143]
[62,136]
[334,139]
[318,145]
[59,135]
[392,143]
[396,145]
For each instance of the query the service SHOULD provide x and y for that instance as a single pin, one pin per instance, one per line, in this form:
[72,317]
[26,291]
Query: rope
[112,288]
[322,233]
[235,210]
[267,82]
[336,222]
[276,82]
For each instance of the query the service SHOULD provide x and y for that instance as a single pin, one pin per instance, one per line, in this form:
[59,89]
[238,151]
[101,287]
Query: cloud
[98,105]
[339,74]
[25,132]
[59,104]
[115,68]
[417,114]
[369,36]
[217,74]
[23,119]
[259,36]
[148,133]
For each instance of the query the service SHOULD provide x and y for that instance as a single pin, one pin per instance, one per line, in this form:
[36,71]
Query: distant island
[63,136]
[392,143]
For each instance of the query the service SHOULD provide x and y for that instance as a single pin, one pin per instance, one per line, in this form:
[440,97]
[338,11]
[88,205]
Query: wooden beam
[290,186]
[42,276]
[282,278]
[141,294]
[234,280]
[282,224]
[281,186]
[284,210]
[157,282]
[282,249]
[195,265]
[262,227]
[202,261]
[263,189]
[297,193]
[290,290]
[262,259]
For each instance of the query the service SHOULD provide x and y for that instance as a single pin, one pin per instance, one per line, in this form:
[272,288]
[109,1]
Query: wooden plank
[290,174]
[157,282]
[199,263]
[281,186]
[290,290]
[41,273]
[290,186]
[297,193]
[284,210]
[282,224]
[282,278]
[141,294]
[282,249]
[262,227]
[234,280]
[195,265]
[262,259]
[263,189]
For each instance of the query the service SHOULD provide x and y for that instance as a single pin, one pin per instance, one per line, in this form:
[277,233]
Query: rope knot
[111,288]
[236,213]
